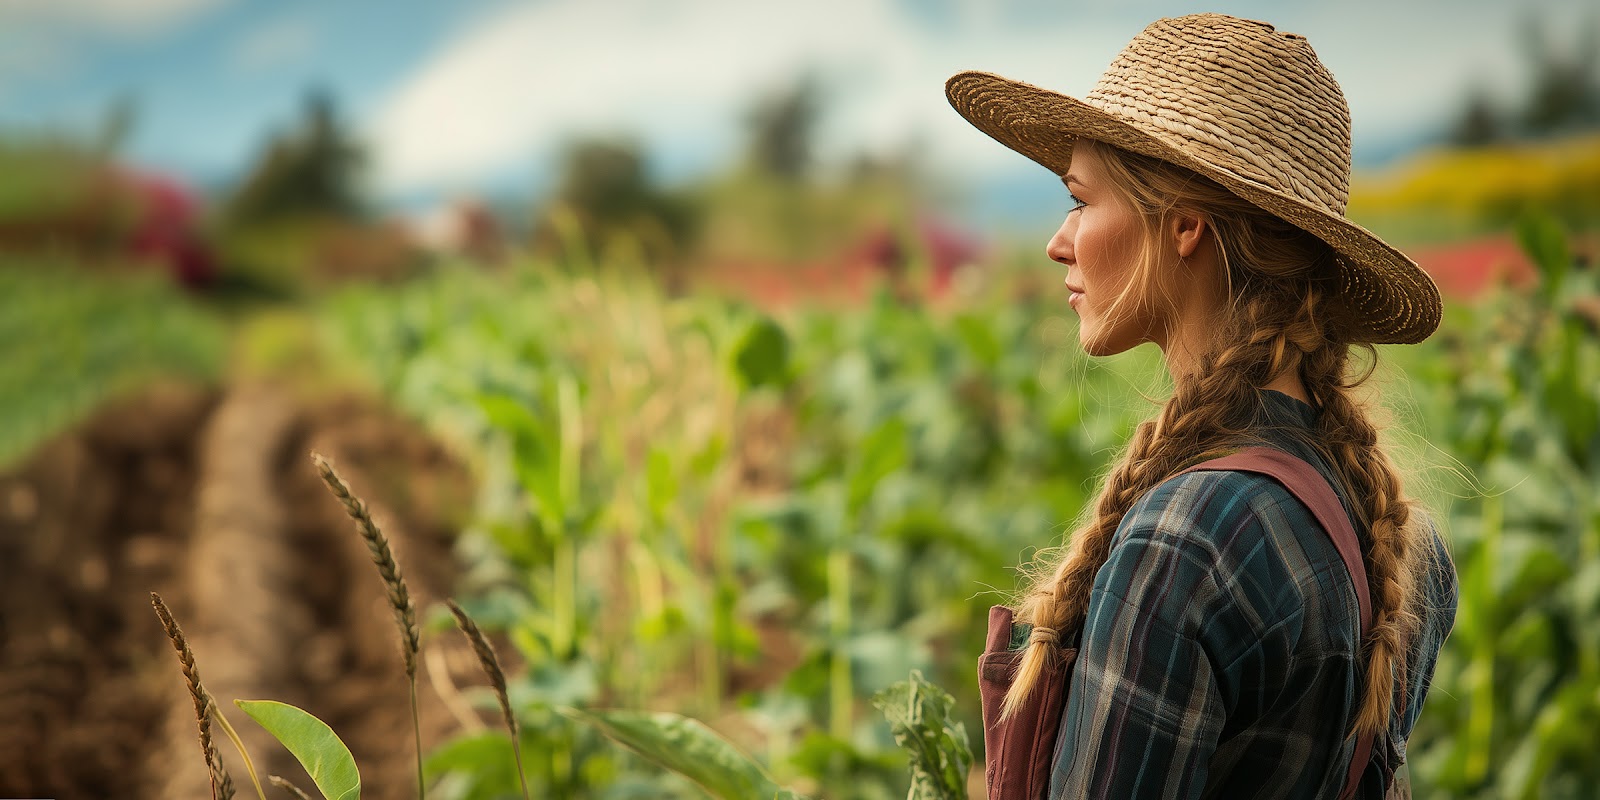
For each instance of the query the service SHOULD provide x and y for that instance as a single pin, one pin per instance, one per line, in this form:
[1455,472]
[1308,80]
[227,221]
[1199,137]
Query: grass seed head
[204,705]
[487,660]
[378,545]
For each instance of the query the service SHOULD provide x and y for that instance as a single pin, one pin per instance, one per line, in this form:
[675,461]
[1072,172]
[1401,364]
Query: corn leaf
[686,746]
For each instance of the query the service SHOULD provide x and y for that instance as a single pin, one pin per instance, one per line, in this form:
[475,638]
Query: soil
[210,498]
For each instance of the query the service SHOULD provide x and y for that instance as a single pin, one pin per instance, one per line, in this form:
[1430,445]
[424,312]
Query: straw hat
[1244,105]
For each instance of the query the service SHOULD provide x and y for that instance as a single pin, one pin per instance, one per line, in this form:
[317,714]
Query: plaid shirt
[1220,655]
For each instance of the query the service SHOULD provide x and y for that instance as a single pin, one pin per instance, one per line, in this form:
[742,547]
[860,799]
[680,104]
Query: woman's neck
[1183,364]
[1289,383]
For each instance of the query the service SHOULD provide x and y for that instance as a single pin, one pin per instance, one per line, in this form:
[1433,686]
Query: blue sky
[475,95]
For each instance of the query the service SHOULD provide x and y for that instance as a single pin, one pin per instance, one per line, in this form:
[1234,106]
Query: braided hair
[1279,321]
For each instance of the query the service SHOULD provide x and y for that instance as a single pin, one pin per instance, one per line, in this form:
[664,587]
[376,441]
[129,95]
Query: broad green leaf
[919,715]
[537,462]
[1542,239]
[761,356]
[979,338]
[313,743]
[686,746]
[480,763]
[883,452]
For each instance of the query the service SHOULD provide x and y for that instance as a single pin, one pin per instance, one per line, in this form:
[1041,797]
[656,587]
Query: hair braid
[1392,555]
[1204,417]
[1279,277]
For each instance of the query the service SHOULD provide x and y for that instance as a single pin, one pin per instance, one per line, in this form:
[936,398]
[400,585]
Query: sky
[476,96]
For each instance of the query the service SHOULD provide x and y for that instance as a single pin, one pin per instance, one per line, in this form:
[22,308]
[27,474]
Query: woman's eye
[1074,203]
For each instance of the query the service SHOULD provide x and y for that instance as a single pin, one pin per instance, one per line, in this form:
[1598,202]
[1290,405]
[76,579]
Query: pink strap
[1305,483]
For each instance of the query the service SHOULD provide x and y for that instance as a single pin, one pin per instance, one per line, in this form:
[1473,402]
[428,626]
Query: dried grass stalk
[284,784]
[497,679]
[204,705]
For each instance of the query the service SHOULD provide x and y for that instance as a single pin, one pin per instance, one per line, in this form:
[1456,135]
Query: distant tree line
[312,169]
[605,190]
[1563,93]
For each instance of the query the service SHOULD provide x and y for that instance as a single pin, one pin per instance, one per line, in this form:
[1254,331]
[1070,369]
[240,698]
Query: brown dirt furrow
[88,526]
[211,499]
[244,615]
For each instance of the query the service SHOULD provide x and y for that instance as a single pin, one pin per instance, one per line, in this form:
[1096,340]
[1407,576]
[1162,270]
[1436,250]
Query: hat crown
[1241,96]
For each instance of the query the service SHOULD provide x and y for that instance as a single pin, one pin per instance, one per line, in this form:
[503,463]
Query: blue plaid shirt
[1220,653]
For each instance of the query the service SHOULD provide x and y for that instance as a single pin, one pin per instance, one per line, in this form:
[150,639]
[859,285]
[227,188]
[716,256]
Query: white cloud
[274,44]
[512,88]
[116,17]
[504,93]
[50,37]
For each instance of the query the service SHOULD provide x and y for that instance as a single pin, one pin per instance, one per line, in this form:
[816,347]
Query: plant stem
[416,736]
[516,753]
[233,736]
[563,610]
[1480,718]
[841,692]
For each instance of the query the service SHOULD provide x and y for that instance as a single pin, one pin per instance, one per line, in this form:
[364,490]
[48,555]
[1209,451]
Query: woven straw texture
[1245,105]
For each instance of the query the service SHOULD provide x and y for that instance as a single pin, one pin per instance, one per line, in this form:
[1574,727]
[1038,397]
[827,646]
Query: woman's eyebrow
[1070,179]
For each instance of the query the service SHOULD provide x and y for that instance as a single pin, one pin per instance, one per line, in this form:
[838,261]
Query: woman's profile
[1263,626]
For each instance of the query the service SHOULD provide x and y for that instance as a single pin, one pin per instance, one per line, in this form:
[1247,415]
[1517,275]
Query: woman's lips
[1076,294]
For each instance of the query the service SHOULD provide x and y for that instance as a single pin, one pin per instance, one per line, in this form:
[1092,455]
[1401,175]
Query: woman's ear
[1187,229]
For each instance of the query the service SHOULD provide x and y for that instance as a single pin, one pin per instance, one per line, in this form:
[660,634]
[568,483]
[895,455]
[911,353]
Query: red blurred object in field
[106,215]
[881,252]
[165,227]
[1467,269]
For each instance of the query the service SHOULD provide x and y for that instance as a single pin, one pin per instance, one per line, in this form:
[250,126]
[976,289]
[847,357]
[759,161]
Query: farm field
[758,518]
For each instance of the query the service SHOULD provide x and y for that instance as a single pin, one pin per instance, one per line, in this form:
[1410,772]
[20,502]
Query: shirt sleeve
[1145,706]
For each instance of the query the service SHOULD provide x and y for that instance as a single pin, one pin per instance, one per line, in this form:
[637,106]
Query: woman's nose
[1059,249]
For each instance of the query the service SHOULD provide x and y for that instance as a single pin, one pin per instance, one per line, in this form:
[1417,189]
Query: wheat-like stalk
[205,707]
[284,784]
[497,679]
[405,613]
[487,659]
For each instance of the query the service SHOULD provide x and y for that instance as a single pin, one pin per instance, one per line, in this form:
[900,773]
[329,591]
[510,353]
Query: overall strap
[1305,483]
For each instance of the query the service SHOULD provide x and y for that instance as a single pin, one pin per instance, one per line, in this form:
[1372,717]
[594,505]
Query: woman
[1222,648]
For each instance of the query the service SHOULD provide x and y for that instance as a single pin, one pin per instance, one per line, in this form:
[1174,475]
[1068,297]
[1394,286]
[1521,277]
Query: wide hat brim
[1384,297]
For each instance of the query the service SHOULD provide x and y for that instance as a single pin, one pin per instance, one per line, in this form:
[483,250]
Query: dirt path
[211,500]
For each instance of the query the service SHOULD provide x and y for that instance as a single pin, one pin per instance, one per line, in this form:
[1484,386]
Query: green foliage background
[765,521]
[689,505]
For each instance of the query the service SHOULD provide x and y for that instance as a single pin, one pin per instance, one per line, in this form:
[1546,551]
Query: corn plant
[763,521]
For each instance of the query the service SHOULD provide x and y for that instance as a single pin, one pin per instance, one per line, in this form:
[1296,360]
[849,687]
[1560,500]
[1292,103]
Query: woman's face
[1100,244]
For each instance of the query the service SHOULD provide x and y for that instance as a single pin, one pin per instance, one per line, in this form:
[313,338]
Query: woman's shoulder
[1256,540]
[1210,505]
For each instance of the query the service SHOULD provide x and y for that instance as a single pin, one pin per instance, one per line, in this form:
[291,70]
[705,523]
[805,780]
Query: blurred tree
[1565,93]
[606,185]
[781,129]
[1479,123]
[311,171]
[1562,96]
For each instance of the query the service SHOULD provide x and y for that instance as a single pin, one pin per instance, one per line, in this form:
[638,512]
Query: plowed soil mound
[210,498]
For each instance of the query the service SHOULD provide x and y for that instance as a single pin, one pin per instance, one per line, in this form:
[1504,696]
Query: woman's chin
[1097,346]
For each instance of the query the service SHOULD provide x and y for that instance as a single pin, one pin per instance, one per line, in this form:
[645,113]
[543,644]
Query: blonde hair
[1279,319]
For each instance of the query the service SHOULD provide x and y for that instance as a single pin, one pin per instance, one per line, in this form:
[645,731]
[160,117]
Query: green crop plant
[70,340]
[763,520]
[1514,405]
[680,744]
